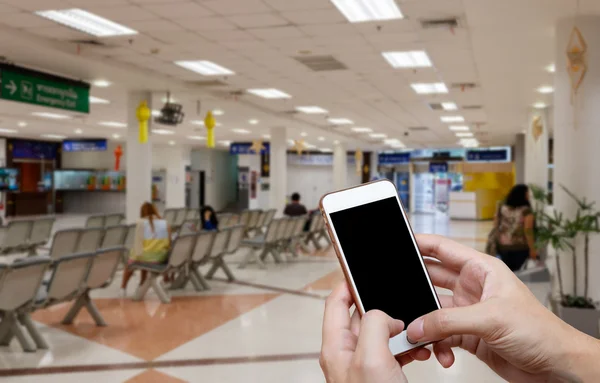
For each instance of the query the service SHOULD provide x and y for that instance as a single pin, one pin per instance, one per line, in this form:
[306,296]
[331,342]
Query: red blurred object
[118,154]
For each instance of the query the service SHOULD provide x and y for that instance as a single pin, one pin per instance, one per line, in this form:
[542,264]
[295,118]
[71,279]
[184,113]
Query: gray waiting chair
[102,271]
[64,243]
[314,231]
[179,256]
[297,236]
[233,243]
[200,256]
[180,217]
[113,219]
[89,240]
[95,221]
[267,243]
[19,285]
[189,226]
[41,231]
[192,214]
[15,236]
[130,237]
[244,217]
[228,220]
[114,236]
[253,218]
[169,216]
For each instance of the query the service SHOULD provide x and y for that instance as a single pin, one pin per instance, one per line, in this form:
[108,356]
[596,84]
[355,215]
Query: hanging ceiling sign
[394,158]
[246,148]
[491,155]
[98,145]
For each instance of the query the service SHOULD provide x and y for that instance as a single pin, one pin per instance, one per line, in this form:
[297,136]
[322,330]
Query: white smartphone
[379,255]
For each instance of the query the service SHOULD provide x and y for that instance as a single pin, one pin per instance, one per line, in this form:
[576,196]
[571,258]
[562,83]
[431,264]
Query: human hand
[494,316]
[356,350]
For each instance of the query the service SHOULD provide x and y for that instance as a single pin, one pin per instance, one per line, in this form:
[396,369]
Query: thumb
[475,320]
[376,329]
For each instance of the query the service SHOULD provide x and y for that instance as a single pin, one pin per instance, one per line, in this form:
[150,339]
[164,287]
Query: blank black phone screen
[383,260]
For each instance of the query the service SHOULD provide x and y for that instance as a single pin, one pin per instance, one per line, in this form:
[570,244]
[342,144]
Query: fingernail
[417,331]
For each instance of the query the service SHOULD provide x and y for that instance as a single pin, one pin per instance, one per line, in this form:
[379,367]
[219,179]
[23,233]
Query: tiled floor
[266,328]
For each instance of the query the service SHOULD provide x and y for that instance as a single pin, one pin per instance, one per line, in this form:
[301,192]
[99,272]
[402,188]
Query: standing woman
[208,219]
[515,223]
[151,243]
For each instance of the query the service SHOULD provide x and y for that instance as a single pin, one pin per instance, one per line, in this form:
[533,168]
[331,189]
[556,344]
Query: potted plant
[565,234]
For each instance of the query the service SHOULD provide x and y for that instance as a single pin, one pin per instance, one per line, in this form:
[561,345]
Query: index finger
[337,314]
[452,254]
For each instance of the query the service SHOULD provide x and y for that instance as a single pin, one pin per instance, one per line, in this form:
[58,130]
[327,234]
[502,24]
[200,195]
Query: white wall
[220,181]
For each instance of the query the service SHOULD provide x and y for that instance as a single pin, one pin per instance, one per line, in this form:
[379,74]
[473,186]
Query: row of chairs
[104,220]
[72,241]
[26,235]
[25,287]
[176,217]
[187,254]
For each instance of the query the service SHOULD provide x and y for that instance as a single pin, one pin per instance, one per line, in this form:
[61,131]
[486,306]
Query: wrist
[578,358]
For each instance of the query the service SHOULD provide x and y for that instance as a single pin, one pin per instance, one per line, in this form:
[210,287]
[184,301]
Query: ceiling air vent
[321,63]
[447,22]
[472,107]
[463,85]
[291,112]
[436,106]
[208,84]
[418,128]
[94,43]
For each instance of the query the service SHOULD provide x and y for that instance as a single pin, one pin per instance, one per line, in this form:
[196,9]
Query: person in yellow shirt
[151,243]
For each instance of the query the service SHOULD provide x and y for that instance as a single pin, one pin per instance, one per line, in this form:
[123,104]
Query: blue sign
[438,167]
[245,148]
[394,158]
[30,149]
[98,145]
[495,155]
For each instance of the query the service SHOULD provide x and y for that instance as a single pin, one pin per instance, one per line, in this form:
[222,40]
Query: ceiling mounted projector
[171,113]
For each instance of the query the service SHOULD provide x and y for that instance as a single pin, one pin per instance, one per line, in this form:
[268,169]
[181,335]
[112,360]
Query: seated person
[208,219]
[151,243]
[295,208]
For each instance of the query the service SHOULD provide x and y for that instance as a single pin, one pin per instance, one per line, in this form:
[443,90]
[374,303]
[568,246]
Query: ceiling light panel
[539,105]
[163,132]
[8,131]
[459,128]
[241,131]
[98,100]
[311,109]
[377,135]
[545,89]
[54,116]
[358,129]
[113,124]
[270,93]
[430,88]
[54,136]
[205,68]
[464,134]
[340,121]
[449,106]
[198,138]
[357,11]
[87,22]
[410,59]
[451,119]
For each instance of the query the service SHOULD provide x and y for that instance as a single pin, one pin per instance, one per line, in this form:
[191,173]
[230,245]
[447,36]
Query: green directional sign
[38,88]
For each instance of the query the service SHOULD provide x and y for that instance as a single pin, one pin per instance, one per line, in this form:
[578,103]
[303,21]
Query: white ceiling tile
[276,33]
[6,9]
[123,14]
[91,3]
[177,37]
[58,33]
[318,16]
[154,25]
[226,35]
[213,23]
[180,10]
[258,20]
[38,5]
[25,20]
[332,30]
[236,7]
[287,5]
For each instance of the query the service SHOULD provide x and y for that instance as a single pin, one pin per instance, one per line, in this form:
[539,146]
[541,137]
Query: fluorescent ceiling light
[78,131]
[197,122]
[410,59]
[340,121]
[430,88]
[464,134]
[336,142]
[270,93]
[469,142]
[451,119]
[8,131]
[266,136]
[98,100]
[253,121]
[392,141]
[101,83]
[326,150]
[54,116]
[539,105]
[54,136]
[225,143]
[311,109]
[291,142]
[241,131]
[22,124]
[199,138]
[303,134]
[357,11]
[551,68]
[155,113]
[163,132]
[358,129]
[113,124]
[321,138]
[218,112]
[116,136]
[545,89]
[377,135]
[205,68]
[171,143]
[449,106]
[309,146]
[459,128]
[87,22]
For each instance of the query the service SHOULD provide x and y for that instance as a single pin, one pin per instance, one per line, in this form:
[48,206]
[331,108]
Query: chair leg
[15,330]
[159,289]
[251,256]
[197,285]
[200,279]
[74,310]
[5,333]
[33,331]
[180,282]
[220,263]
[216,263]
[142,290]
[94,313]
